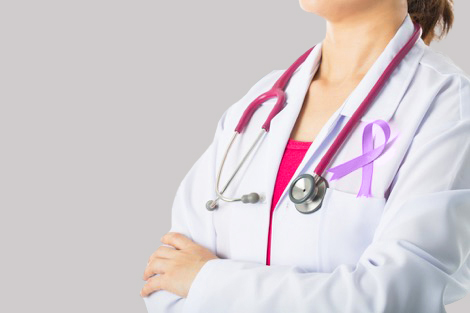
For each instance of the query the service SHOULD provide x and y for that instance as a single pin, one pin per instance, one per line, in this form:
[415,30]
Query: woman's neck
[353,44]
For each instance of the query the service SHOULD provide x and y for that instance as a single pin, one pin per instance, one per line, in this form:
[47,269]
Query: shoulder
[263,84]
[440,63]
[450,82]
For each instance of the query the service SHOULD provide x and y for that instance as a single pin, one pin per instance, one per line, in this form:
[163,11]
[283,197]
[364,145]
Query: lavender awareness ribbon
[365,160]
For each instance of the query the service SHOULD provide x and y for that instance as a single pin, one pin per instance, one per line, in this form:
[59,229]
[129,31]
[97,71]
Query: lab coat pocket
[237,227]
[347,227]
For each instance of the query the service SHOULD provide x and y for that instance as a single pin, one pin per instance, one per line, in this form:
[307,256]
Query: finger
[156,266]
[177,240]
[164,252]
[152,285]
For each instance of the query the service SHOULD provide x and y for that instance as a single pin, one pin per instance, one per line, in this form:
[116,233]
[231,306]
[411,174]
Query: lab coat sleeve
[417,262]
[189,215]
[188,219]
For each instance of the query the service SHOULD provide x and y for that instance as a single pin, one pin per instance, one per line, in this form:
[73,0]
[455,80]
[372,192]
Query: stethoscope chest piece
[307,193]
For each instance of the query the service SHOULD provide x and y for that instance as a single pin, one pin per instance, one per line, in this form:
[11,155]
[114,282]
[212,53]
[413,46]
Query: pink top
[293,155]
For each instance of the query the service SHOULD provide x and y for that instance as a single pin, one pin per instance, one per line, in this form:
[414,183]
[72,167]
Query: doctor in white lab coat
[404,249]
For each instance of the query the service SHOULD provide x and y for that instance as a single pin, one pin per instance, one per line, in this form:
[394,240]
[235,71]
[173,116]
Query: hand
[177,267]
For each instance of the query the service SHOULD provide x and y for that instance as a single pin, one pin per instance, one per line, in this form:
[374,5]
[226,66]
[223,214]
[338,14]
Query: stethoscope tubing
[219,193]
[278,91]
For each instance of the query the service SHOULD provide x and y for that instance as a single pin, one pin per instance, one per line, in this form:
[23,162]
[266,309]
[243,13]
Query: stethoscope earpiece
[253,197]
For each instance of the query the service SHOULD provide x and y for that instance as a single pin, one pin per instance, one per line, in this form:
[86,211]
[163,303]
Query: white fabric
[406,249]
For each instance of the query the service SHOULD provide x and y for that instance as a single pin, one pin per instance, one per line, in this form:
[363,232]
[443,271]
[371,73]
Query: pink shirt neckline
[297,144]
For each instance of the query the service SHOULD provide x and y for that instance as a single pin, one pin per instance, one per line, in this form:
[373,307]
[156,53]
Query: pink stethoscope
[306,191]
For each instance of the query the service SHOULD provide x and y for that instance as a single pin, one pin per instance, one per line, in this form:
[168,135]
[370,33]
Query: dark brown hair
[432,14]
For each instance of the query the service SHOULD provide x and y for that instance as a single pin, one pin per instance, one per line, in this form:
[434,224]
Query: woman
[400,245]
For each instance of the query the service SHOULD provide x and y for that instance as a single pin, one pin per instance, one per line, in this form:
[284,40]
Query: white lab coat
[406,249]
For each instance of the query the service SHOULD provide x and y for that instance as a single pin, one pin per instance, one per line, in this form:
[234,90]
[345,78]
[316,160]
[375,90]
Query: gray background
[104,107]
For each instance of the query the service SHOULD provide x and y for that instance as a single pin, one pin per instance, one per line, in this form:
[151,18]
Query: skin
[356,34]
[178,265]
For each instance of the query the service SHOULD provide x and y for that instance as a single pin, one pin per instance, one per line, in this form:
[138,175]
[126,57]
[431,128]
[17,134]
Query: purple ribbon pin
[365,160]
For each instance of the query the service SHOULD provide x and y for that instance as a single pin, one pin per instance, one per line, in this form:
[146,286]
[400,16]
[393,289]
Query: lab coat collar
[387,100]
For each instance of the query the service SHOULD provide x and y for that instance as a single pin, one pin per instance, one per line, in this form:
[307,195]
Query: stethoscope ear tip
[211,205]
[250,198]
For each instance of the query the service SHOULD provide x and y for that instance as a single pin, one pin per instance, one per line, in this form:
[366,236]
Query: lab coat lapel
[283,123]
[383,107]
